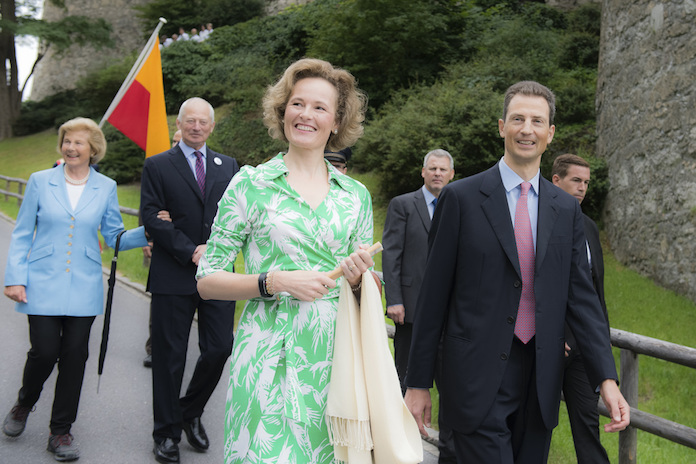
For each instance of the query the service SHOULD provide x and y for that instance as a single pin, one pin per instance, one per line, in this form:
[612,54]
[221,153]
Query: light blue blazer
[54,250]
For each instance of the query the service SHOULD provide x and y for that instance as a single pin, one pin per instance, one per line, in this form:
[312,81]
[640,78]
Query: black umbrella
[107,310]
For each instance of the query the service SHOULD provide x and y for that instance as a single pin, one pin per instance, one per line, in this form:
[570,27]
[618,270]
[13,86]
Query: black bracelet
[262,285]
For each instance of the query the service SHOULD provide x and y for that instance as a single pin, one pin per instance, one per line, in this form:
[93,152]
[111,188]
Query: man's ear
[555,179]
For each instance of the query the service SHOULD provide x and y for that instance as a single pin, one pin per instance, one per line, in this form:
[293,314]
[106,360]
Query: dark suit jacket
[169,184]
[597,265]
[592,235]
[472,289]
[403,259]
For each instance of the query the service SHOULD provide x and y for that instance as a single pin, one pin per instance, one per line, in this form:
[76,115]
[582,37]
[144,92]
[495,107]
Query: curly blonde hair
[352,102]
[96,137]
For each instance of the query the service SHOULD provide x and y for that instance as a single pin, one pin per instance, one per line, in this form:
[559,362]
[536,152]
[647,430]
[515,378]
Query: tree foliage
[386,44]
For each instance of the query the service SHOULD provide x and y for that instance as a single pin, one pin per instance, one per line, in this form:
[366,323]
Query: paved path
[115,425]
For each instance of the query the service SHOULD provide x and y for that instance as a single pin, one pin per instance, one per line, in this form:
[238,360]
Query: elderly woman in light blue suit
[54,273]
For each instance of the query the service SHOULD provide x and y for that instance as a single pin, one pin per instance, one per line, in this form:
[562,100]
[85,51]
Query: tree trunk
[10,95]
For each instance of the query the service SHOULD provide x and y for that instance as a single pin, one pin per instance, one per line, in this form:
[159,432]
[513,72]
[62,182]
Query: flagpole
[134,71]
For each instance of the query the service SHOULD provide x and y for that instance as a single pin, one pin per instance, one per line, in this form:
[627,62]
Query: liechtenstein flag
[138,109]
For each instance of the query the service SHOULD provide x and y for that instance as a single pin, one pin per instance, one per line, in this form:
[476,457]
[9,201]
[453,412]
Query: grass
[635,304]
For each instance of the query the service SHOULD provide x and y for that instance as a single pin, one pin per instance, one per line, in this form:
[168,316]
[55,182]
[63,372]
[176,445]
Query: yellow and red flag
[138,109]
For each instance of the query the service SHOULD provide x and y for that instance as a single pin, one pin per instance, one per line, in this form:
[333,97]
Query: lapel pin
[217,161]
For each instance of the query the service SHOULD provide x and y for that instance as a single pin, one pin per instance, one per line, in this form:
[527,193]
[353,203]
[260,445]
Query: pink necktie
[200,172]
[525,326]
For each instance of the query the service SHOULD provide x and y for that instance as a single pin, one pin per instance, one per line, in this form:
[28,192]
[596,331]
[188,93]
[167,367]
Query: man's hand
[619,410]
[418,402]
[397,313]
[197,253]
[567,350]
[147,250]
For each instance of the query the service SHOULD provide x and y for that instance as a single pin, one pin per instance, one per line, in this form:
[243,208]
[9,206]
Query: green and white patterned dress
[283,349]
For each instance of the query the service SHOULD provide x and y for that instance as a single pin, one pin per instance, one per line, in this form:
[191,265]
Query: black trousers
[172,316]
[581,402]
[402,347]
[513,432]
[64,340]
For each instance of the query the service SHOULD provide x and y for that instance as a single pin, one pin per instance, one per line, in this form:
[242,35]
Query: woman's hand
[163,215]
[16,293]
[355,265]
[303,285]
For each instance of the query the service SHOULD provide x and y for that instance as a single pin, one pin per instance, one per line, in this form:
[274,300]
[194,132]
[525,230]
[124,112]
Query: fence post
[19,190]
[7,189]
[628,439]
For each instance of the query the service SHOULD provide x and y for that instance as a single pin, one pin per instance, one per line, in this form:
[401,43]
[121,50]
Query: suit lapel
[59,190]
[422,209]
[496,209]
[548,213]
[593,243]
[182,165]
[90,192]
[212,169]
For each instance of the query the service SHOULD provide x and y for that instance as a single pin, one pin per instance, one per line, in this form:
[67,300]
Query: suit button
[510,320]
[517,284]
[504,356]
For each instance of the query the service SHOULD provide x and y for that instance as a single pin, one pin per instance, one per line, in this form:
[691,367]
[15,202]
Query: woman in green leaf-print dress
[294,218]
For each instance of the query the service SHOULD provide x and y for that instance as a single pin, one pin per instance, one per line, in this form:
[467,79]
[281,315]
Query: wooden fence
[631,346]
[20,187]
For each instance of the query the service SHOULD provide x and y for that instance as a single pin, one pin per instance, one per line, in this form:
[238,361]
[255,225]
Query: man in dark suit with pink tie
[507,268]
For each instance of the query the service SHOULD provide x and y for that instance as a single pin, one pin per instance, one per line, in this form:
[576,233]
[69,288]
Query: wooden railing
[631,346]
[20,187]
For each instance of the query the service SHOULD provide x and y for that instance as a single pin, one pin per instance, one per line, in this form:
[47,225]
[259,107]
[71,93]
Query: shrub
[124,159]
[50,112]
[449,115]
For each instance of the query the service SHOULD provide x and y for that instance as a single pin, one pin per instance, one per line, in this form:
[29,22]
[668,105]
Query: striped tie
[200,172]
[525,325]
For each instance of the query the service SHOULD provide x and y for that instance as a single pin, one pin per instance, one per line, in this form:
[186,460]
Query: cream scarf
[367,418]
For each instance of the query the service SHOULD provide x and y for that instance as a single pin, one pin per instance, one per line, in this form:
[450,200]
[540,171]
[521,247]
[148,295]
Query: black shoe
[195,434]
[16,420]
[63,448]
[147,362]
[167,451]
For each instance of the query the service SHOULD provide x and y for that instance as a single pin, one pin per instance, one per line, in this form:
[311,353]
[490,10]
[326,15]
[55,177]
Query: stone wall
[57,73]
[646,124]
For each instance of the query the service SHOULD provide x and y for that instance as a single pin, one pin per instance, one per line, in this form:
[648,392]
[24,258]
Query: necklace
[74,181]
